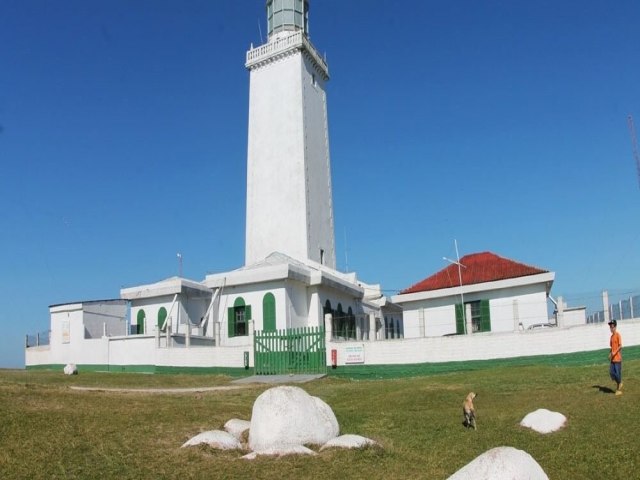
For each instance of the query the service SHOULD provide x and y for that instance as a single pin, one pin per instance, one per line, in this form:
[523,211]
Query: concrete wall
[484,346]
[141,349]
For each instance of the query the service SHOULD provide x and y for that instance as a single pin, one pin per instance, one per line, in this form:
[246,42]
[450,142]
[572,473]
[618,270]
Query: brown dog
[469,411]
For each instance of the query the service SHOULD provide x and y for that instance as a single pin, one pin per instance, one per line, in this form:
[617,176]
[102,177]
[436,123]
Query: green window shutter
[247,314]
[459,319]
[269,313]
[485,317]
[162,315]
[140,321]
[231,321]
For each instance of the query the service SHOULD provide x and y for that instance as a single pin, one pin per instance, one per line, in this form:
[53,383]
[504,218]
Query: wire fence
[620,304]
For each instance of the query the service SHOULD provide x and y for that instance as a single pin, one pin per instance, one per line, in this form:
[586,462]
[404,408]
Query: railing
[283,44]
[38,339]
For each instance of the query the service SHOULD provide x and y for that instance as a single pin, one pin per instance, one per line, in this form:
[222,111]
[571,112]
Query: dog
[469,411]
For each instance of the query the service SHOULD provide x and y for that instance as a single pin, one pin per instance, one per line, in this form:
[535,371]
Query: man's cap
[614,323]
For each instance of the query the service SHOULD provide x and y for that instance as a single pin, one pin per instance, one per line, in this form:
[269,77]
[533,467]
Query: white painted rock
[237,427]
[291,450]
[70,369]
[544,421]
[216,439]
[348,441]
[501,463]
[288,416]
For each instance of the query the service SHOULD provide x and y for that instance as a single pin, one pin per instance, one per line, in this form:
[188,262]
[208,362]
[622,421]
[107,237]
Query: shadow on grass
[603,389]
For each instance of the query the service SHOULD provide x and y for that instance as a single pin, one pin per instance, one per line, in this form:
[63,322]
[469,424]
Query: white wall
[318,169]
[141,350]
[573,316]
[289,206]
[298,305]
[440,319]
[276,197]
[484,346]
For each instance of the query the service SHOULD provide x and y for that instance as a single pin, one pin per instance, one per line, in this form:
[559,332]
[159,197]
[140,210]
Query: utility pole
[634,145]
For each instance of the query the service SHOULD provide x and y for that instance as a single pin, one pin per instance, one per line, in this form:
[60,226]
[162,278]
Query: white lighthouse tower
[289,201]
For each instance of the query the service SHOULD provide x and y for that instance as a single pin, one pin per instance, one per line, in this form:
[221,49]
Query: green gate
[296,350]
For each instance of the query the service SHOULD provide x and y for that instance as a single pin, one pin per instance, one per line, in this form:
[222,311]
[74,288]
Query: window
[238,317]
[480,317]
[351,325]
[140,320]
[327,308]
[287,15]
[162,316]
[475,316]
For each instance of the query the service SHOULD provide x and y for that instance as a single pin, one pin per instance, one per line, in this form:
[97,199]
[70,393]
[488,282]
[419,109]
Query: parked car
[535,326]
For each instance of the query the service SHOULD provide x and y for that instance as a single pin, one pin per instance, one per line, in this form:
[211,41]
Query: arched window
[238,317]
[140,319]
[327,308]
[162,316]
[351,324]
[339,323]
[269,312]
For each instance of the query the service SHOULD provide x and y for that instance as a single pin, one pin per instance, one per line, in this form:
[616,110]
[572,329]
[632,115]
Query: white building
[498,294]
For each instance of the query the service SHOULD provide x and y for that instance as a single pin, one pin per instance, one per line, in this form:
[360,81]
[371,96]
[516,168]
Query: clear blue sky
[503,125]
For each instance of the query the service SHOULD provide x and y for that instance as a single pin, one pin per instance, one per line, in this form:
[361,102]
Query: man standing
[615,356]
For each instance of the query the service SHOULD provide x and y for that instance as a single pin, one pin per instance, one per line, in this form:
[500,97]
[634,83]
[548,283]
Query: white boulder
[70,369]
[287,416]
[544,421]
[237,427]
[501,463]
[216,439]
[348,441]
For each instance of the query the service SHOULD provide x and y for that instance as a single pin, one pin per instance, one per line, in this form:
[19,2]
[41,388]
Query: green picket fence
[296,350]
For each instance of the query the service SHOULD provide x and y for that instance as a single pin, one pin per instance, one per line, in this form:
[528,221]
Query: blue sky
[503,125]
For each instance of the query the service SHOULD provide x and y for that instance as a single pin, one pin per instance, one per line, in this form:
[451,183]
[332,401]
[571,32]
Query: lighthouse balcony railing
[282,44]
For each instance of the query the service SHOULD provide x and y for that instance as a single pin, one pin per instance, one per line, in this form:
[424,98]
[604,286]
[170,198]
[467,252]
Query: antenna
[634,144]
[179,255]
[460,266]
[260,30]
[346,250]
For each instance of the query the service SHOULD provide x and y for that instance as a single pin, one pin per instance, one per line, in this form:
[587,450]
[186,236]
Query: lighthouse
[289,199]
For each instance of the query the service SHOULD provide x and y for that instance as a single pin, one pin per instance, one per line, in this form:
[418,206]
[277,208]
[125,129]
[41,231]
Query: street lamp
[460,267]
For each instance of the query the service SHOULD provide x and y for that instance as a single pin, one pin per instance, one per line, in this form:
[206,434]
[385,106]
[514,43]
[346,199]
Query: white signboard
[354,354]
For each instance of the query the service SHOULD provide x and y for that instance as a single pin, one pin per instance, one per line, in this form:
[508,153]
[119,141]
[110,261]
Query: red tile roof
[480,268]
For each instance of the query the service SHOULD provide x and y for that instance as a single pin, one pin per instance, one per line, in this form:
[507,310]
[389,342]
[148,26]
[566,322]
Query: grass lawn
[50,431]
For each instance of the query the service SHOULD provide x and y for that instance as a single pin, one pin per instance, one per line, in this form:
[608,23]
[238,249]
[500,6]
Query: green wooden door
[269,313]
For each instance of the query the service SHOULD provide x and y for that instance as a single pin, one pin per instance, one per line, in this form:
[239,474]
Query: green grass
[50,431]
